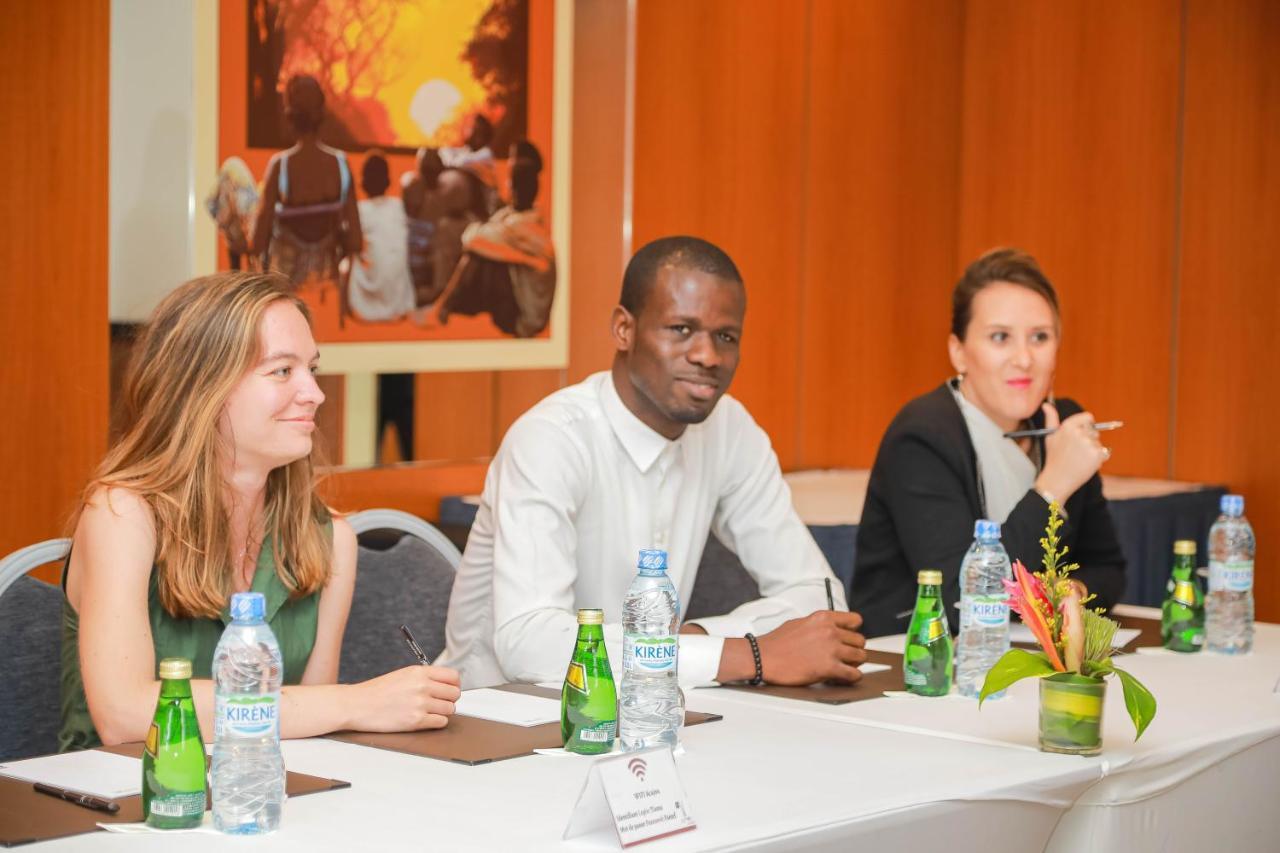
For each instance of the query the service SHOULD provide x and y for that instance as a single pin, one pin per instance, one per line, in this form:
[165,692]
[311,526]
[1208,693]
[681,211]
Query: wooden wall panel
[53,215]
[515,392]
[329,426]
[414,487]
[1070,130]
[1227,404]
[879,220]
[453,415]
[600,250]
[719,141]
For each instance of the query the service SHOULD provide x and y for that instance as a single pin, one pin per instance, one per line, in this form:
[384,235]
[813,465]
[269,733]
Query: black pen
[87,800]
[413,646]
[831,602]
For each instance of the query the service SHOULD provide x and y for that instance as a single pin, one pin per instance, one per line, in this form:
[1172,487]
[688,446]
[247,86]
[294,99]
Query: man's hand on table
[823,646]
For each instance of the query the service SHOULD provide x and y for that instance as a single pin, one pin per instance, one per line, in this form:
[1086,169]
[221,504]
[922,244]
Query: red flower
[1027,598]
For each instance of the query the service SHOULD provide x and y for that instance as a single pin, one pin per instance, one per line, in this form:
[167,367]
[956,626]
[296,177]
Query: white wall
[163,148]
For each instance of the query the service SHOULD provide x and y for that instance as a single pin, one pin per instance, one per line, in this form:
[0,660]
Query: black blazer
[922,501]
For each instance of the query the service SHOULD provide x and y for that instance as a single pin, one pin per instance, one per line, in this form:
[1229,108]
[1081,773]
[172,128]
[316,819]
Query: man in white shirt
[647,455]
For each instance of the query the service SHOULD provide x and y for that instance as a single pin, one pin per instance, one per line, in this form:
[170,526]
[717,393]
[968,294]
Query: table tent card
[637,794]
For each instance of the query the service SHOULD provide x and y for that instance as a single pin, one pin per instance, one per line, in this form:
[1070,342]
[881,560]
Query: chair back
[30,665]
[404,576]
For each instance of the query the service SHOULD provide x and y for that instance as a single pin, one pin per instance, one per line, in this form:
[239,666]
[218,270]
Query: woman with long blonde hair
[211,491]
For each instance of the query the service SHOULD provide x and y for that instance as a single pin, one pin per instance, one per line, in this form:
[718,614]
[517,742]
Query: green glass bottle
[588,700]
[173,763]
[928,661]
[1182,615]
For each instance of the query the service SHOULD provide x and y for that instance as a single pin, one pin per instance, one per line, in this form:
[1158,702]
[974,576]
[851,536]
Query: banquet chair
[30,666]
[404,575]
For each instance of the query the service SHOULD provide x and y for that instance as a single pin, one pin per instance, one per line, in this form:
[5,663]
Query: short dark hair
[524,184]
[375,176]
[523,150]
[998,265]
[680,252]
[481,131]
[304,103]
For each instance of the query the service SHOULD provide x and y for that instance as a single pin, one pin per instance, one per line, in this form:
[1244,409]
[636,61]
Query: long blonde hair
[199,343]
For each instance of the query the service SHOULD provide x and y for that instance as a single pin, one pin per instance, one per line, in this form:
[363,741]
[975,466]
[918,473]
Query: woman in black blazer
[943,462]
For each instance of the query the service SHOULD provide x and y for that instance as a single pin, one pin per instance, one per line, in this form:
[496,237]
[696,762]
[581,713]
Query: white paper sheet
[503,706]
[1020,633]
[90,771]
[893,643]
[869,667]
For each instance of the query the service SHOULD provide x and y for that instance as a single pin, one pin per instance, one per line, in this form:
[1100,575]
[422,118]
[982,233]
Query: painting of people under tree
[406,191]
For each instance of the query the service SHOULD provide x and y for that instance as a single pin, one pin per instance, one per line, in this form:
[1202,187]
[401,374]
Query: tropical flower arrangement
[1075,655]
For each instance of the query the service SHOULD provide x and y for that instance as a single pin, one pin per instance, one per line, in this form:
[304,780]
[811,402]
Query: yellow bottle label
[576,677]
[936,629]
[1184,592]
[153,737]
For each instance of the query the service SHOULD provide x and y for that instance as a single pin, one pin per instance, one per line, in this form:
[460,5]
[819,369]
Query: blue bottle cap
[248,607]
[652,560]
[985,529]
[1232,505]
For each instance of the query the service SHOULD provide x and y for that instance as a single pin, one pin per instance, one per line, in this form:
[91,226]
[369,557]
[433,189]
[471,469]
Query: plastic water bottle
[651,709]
[247,776]
[1228,608]
[984,608]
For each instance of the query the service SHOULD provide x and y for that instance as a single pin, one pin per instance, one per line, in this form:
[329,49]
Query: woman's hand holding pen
[1073,453]
[408,699]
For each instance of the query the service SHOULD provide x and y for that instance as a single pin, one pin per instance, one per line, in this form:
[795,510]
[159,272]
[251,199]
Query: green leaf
[1138,701]
[1016,665]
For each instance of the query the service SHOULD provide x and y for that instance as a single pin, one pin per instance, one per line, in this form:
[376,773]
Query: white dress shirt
[577,488]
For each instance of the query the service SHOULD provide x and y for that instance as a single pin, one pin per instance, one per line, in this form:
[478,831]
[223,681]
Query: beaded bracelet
[755,653]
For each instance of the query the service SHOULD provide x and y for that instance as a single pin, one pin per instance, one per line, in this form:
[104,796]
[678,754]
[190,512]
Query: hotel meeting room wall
[53,250]
[852,157]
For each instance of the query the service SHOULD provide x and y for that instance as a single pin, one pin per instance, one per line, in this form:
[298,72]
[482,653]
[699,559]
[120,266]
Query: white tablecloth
[1205,769]
[881,774]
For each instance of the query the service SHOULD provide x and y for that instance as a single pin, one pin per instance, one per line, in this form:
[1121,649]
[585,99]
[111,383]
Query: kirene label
[1230,576]
[986,611]
[650,654]
[246,716]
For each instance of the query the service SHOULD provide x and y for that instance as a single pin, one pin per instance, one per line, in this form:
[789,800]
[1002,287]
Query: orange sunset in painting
[397,74]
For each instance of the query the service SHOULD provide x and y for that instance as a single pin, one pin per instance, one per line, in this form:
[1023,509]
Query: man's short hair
[375,175]
[679,252]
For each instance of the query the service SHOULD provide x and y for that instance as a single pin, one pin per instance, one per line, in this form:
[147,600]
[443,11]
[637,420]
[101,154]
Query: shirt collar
[641,442]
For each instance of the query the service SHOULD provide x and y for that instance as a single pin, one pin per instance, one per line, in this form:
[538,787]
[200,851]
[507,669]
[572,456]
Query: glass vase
[1071,713]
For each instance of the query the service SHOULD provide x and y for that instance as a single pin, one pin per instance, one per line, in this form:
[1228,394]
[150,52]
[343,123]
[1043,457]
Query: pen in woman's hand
[1103,426]
[87,800]
[413,646]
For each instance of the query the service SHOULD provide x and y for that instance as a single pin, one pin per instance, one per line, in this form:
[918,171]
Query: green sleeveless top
[293,623]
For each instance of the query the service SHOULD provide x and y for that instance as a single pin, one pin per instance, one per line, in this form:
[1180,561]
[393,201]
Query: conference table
[886,773]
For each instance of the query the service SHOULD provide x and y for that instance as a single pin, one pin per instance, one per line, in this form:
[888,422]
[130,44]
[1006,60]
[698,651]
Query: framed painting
[452,121]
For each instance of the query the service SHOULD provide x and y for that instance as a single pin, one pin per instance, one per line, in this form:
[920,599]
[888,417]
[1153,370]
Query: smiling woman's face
[270,415]
[1008,354]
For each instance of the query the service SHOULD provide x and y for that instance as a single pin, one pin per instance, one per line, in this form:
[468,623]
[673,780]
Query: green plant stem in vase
[1071,713]
[1074,657]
